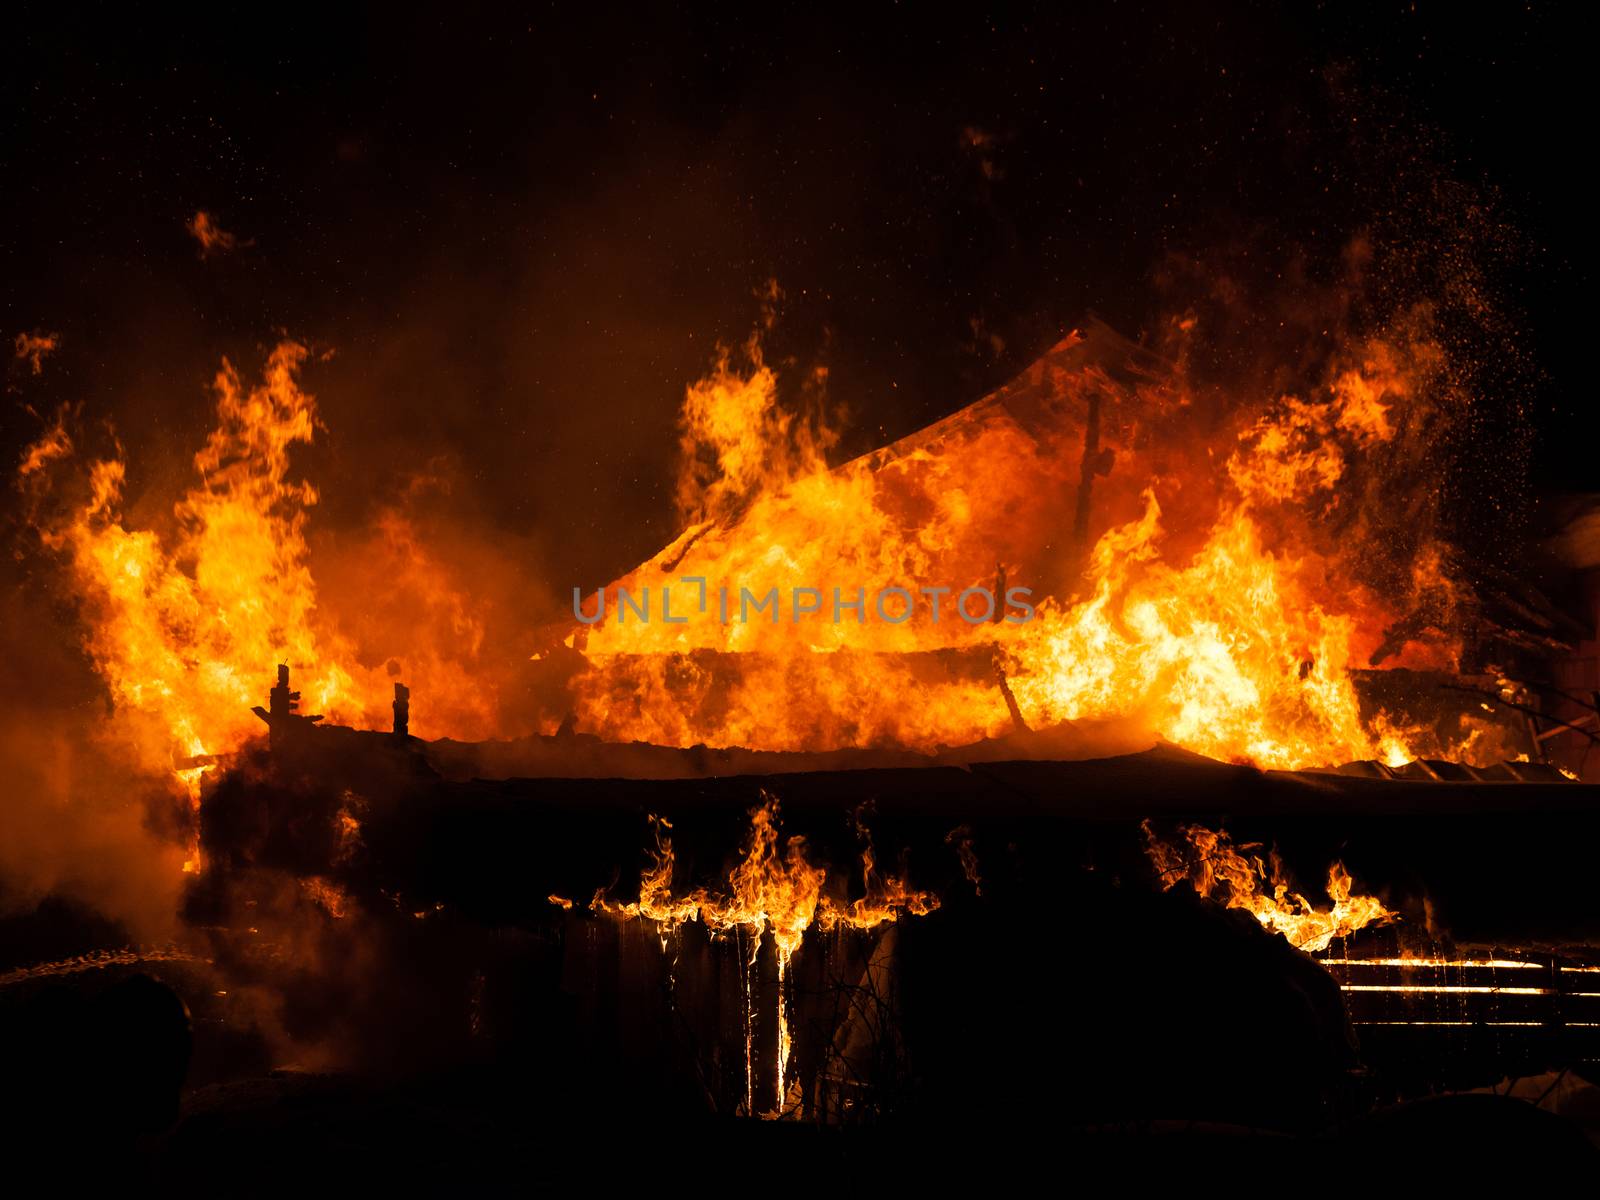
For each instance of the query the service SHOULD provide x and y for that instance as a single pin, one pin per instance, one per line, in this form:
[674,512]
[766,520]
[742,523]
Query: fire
[182,630]
[33,348]
[1227,655]
[736,440]
[1222,619]
[1219,870]
[184,627]
[326,895]
[774,890]
[211,237]
[884,897]
[1184,586]
[1179,585]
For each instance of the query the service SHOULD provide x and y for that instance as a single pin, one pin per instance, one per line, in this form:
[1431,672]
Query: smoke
[83,819]
[426,590]
[1406,261]
[80,819]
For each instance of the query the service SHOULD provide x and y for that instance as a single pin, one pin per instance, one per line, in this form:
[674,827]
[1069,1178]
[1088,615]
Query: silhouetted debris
[402,710]
[282,716]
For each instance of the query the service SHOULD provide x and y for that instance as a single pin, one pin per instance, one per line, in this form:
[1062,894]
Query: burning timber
[1199,584]
[678,928]
[812,863]
[435,811]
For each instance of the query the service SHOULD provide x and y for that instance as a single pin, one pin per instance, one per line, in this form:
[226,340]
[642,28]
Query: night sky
[523,235]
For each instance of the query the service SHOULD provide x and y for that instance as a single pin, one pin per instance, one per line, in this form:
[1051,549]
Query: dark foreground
[444,1026]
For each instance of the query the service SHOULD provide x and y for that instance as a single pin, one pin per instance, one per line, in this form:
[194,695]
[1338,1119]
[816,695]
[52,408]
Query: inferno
[1037,708]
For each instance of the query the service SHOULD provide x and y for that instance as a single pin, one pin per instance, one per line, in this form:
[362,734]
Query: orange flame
[1228,655]
[211,237]
[1234,636]
[185,629]
[33,348]
[1194,598]
[183,635]
[1218,870]
[773,890]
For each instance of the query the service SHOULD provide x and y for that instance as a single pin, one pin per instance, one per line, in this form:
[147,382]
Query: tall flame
[182,631]
[184,628]
[1233,634]
[1186,585]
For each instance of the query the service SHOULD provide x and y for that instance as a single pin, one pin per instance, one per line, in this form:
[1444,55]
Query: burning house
[1142,759]
[758,862]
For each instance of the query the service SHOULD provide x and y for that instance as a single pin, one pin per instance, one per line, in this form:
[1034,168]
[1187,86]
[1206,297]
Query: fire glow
[774,891]
[1217,618]
[179,627]
[1236,878]
[1233,635]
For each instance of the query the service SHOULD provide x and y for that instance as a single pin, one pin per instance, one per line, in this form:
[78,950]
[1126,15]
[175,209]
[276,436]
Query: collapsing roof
[1211,574]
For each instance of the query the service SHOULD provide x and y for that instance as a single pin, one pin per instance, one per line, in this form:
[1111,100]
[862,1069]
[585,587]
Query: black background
[522,233]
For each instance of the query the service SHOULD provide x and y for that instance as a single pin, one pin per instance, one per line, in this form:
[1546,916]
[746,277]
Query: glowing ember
[33,348]
[326,895]
[1220,871]
[211,237]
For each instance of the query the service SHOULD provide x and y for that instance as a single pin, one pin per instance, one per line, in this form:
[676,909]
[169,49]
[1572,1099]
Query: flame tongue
[773,890]
[182,633]
[185,629]
[1218,870]
[1228,655]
